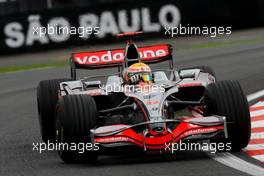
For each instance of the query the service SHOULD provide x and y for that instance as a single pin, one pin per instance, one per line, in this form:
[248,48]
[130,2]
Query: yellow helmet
[139,70]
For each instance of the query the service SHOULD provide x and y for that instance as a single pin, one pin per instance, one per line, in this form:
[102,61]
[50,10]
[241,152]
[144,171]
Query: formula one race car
[140,107]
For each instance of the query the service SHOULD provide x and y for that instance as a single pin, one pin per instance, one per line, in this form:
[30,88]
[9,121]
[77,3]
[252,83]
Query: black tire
[204,68]
[76,116]
[47,95]
[226,98]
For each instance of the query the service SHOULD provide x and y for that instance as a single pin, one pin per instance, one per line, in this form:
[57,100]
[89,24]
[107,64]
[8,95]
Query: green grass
[64,63]
[227,43]
[9,69]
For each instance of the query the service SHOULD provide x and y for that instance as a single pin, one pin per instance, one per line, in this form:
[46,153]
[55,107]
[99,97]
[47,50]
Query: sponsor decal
[191,84]
[117,56]
[199,131]
[155,102]
[113,139]
[37,29]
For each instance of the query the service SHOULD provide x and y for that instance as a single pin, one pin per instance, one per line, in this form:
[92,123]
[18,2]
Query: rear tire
[47,96]
[76,116]
[226,98]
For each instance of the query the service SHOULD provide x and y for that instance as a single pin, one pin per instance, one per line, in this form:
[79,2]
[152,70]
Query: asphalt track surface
[19,126]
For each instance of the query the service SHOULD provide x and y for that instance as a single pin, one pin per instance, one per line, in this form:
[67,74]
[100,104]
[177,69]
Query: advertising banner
[59,28]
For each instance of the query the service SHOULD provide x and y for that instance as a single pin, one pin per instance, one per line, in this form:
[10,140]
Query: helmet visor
[146,77]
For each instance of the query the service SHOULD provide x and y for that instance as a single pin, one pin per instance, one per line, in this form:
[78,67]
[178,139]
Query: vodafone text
[104,57]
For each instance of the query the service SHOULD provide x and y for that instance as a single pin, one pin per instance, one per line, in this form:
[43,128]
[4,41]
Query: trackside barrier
[37,30]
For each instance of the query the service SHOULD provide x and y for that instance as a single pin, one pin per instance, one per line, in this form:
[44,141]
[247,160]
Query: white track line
[233,161]
[255,147]
[255,96]
[259,157]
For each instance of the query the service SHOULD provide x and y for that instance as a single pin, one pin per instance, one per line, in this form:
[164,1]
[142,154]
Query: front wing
[192,129]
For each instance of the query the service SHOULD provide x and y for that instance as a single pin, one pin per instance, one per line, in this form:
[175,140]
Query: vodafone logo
[117,56]
[99,57]
[113,139]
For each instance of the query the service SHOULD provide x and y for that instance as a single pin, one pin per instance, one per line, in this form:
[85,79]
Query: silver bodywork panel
[153,101]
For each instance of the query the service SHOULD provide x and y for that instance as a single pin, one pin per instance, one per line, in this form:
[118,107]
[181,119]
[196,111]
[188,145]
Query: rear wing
[115,57]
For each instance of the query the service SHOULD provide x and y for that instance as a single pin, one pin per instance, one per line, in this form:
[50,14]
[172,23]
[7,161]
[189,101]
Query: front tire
[76,116]
[47,96]
[226,98]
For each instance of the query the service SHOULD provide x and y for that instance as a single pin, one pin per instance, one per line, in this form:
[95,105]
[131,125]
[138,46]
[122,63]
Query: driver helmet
[138,72]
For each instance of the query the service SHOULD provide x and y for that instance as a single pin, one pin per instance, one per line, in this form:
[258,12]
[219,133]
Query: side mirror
[89,84]
[187,74]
